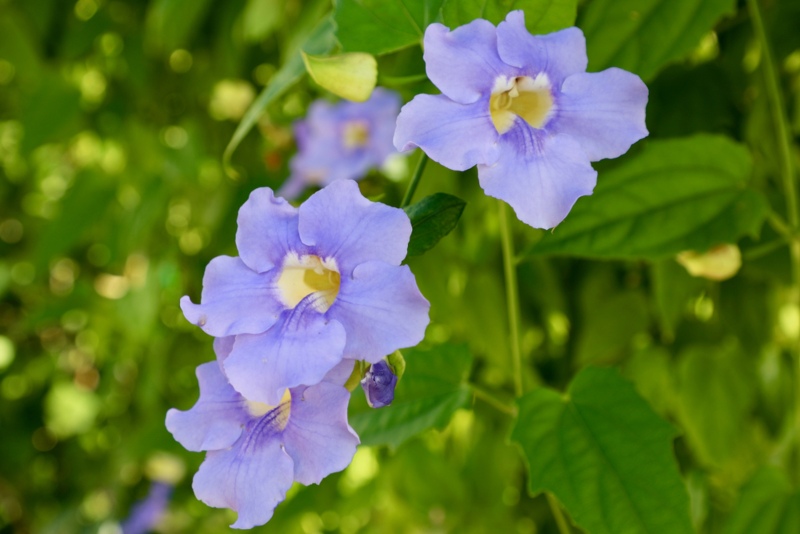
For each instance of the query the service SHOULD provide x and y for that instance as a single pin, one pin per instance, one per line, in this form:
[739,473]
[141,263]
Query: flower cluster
[314,289]
[342,141]
[525,111]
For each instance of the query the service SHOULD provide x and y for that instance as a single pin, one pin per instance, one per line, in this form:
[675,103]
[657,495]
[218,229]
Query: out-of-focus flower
[342,141]
[256,451]
[524,109]
[146,513]
[378,385]
[719,263]
[312,285]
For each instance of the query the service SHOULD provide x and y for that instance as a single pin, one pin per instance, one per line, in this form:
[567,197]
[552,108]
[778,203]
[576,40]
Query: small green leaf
[432,218]
[644,35]
[605,455]
[319,41]
[541,16]
[766,505]
[351,76]
[432,389]
[717,391]
[674,195]
[383,26]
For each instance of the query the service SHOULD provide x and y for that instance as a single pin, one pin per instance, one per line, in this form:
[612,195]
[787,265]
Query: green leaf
[432,218]
[766,505]
[171,24]
[541,16]
[717,391]
[432,389]
[319,41]
[674,195]
[644,35]
[351,76]
[383,26]
[604,454]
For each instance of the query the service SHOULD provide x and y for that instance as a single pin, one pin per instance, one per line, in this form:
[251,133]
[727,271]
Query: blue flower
[524,109]
[256,451]
[378,385]
[312,285]
[342,141]
[146,513]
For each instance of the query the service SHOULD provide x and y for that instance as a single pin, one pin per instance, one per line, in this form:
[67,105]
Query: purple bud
[378,385]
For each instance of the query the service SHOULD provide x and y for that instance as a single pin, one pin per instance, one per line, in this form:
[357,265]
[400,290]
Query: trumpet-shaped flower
[312,285]
[256,451]
[525,111]
[342,141]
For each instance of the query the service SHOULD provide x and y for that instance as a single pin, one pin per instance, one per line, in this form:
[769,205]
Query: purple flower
[312,285]
[524,109]
[146,513]
[342,141]
[256,451]
[378,385]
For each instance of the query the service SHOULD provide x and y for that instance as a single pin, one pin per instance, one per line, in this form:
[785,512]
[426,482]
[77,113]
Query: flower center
[355,134]
[303,275]
[280,412]
[524,97]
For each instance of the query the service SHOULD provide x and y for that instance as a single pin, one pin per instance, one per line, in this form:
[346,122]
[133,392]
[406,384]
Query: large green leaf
[604,454]
[432,218]
[382,26]
[674,195]
[643,35]
[766,505]
[319,41]
[541,16]
[432,388]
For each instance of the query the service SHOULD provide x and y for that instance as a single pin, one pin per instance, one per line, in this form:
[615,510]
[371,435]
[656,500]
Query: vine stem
[412,186]
[512,295]
[558,515]
[493,401]
[772,83]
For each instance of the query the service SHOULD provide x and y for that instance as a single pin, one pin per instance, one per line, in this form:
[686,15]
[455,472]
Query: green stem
[776,106]
[762,250]
[772,83]
[412,186]
[402,80]
[493,401]
[780,226]
[512,295]
[558,515]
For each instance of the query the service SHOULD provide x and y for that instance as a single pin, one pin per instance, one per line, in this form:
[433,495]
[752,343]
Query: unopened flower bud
[378,385]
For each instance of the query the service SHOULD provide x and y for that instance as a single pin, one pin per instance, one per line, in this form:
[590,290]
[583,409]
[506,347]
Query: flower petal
[216,420]
[381,310]
[540,177]
[235,299]
[603,111]
[341,373]
[300,349]
[317,436]
[267,230]
[558,54]
[340,223]
[463,63]
[457,136]
[252,477]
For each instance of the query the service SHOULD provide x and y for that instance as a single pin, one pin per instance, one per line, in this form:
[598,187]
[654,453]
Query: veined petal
[463,63]
[558,54]
[381,310]
[317,436]
[252,477]
[455,135]
[603,111]
[216,420]
[338,222]
[300,349]
[235,299]
[541,177]
[267,230]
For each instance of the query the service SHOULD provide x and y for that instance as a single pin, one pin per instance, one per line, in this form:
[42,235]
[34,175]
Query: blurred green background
[114,115]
